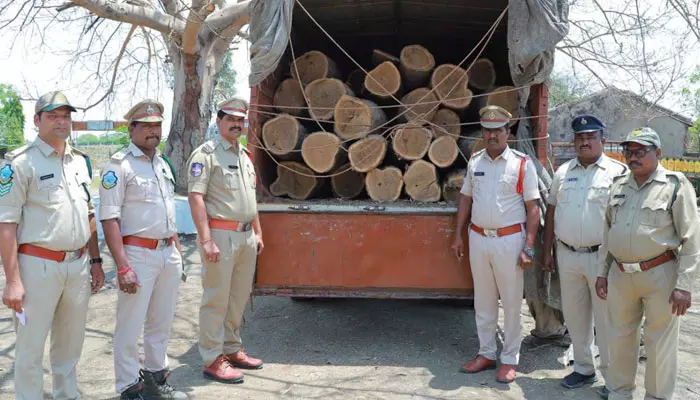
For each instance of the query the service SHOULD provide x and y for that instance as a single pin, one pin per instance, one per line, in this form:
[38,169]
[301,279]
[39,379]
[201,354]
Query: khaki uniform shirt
[492,185]
[47,195]
[139,191]
[580,195]
[224,174]
[641,223]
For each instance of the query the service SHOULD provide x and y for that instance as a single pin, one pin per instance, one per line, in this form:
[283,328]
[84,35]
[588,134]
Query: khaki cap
[494,117]
[145,111]
[237,106]
[644,136]
[51,101]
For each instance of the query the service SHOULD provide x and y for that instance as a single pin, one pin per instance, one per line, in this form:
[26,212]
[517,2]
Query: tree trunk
[506,97]
[410,142]
[443,152]
[384,81]
[422,105]
[356,118]
[482,74]
[347,184]
[368,153]
[417,63]
[450,84]
[421,181]
[283,137]
[323,152]
[379,56]
[323,94]
[452,185]
[384,184]
[289,98]
[314,65]
[296,181]
[447,122]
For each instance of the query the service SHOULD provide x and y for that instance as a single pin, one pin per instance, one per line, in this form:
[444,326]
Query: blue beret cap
[586,123]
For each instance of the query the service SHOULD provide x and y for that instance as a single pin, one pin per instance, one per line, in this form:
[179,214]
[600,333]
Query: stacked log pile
[403,129]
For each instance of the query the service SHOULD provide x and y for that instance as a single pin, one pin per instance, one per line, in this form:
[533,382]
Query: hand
[260,244]
[524,261]
[548,262]
[211,251]
[458,247]
[128,282]
[681,301]
[601,288]
[13,295]
[98,277]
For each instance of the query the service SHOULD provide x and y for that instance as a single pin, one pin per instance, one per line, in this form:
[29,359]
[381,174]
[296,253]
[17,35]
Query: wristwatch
[97,260]
[529,251]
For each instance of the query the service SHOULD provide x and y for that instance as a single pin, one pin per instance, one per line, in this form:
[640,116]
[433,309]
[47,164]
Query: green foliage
[225,81]
[564,89]
[11,119]
[691,99]
[87,139]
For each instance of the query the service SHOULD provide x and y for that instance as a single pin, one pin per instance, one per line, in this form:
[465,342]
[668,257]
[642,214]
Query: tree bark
[368,153]
[289,97]
[450,84]
[314,65]
[422,105]
[355,118]
[410,142]
[323,94]
[323,152]
[443,152]
[347,184]
[421,181]
[452,185]
[384,184]
[417,63]
[482,74]
[296,181]
[447,122]
[283,137]
[384,81]
[506,97]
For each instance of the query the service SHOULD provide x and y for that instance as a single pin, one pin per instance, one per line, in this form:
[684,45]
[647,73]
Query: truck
[361,248]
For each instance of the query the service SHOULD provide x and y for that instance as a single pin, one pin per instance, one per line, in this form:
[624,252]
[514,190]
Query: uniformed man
[651,248]
[499,202]
[576,207]
[224,209]
[46,223]
[137,211]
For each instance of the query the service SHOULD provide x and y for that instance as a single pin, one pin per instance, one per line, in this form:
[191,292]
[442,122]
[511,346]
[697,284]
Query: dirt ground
[337,349]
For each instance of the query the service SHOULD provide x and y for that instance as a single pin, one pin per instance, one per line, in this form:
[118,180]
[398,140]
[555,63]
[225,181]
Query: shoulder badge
[6,177]
[11,155]
[109,180]
[209,146]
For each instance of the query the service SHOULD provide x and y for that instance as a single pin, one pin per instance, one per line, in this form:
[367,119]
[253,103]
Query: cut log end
[452,186]
[443,152]
[422,103]
[411,142]
[383,81]
[482,74]
[356,118]
[323,94]
[347,183]
[283,135]
[384,184]
[289,97]
[506,97]
[450,84]
[312,66]
[295,180]
[368,153]
[421,181]
[447,122]
[322,151]
[416,64]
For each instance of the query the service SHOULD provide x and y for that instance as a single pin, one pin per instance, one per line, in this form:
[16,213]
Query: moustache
[585,146]
[493,140]
[635,164]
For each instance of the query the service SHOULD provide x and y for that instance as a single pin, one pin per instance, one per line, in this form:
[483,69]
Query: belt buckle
[161,244]
[491,233]
[631,267]
[71,255]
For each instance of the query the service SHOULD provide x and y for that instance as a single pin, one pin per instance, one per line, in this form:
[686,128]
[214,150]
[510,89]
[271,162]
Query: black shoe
[156,386]
[133,392]
[575,380]
[603,392]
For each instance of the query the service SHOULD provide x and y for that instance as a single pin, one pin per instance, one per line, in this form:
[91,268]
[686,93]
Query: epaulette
[119,156]
[209,146]
[623,165]
[618,177]
[519,154]
[10,155]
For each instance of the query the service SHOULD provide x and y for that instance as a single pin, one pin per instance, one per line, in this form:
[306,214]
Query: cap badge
[583,121]
[150,110]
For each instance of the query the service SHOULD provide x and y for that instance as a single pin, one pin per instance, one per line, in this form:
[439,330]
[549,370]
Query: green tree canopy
[564,89]
[11,119]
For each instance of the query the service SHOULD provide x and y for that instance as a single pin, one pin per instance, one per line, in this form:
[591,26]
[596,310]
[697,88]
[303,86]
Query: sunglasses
[639,153]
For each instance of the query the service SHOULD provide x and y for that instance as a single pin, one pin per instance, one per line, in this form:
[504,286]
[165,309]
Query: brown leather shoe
[221,370]
[478,364]
[240,359]
[506,374]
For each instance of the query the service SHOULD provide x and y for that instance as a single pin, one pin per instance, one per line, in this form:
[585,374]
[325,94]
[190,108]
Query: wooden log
[356,81]
[384,81]
[506,97]
[379,56]
[417,64]
[422,105]
[355,118]
[289,97]
[443,151]
[482,74]
[296,181]
[323,94]
[446,123]
[314,65]
[283,136]
[452,185]
[368,153]
[323,151]
[384,184]
[421,181]
[347,183]
[410,141]
[450,84]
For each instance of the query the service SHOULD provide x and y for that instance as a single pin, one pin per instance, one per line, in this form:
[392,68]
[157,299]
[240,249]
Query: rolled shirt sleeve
[467,184]
[604,255]
[13,192]
[531,189]
[554,190]
[686,221]
[112,191]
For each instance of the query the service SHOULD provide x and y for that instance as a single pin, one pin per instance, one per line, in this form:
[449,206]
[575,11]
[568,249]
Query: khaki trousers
[226,288]
[151,310]
[632,296]
[56,300]
[495,271]
[582,306]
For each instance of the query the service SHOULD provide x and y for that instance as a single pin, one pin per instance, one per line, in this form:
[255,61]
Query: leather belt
[230,225]
[654,262]
[53,255]
[153,244]
[588,249]
[492,233]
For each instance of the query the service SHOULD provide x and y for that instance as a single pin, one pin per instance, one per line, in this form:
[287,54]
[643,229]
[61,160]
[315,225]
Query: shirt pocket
[51,190]
[654,213]
[566,192]
[146,189]
[599,194]
[507,185]
[615,208]
[230,179]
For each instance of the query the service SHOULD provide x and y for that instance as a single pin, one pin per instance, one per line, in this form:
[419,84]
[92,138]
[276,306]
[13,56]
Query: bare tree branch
[197,15]
[135,15]
[227,21]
